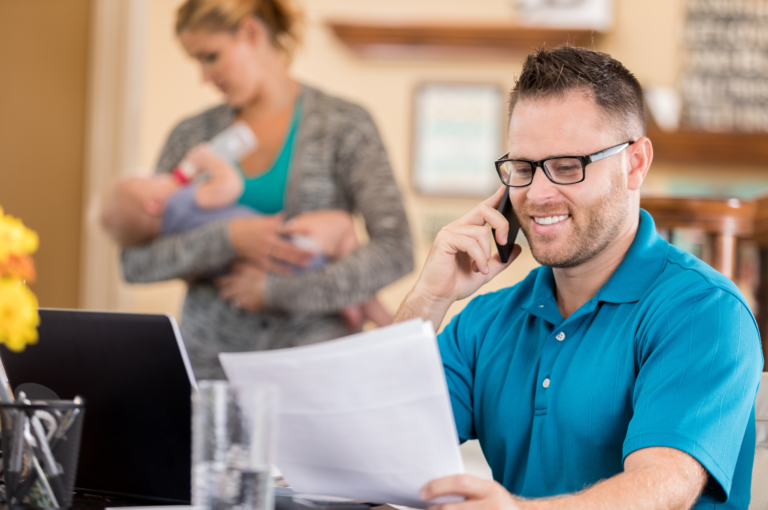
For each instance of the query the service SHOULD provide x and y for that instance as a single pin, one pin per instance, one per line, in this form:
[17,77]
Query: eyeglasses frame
[585,160]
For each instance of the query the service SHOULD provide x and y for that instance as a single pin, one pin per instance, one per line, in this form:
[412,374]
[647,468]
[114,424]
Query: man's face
[568,225]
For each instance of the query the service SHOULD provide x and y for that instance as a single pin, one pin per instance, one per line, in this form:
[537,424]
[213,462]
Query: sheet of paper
[366,417]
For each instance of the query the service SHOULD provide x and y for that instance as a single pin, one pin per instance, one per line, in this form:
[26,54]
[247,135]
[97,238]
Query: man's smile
[550,220]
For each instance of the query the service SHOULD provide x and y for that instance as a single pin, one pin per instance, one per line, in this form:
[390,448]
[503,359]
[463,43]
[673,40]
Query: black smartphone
[505,208]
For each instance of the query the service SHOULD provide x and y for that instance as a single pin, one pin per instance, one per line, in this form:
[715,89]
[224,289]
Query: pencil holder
[40,447]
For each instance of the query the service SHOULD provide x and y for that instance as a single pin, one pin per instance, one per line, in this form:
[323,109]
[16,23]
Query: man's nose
[206,74]
[541,189]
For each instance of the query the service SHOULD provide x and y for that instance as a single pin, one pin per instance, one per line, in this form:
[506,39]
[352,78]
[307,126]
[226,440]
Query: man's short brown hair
[556,72]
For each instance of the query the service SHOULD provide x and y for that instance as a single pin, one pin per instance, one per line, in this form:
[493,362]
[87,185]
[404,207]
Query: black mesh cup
[40,447]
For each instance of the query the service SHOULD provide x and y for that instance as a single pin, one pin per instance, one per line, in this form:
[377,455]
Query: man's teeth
[549,219]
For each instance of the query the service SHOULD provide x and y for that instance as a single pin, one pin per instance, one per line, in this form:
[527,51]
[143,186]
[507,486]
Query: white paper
[366,417]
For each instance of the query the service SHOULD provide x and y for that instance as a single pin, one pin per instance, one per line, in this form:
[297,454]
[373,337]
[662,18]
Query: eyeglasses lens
[565,170]
[515,173]
[561,170]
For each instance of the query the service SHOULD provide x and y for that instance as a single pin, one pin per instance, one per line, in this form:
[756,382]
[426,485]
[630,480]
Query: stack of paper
[366,417]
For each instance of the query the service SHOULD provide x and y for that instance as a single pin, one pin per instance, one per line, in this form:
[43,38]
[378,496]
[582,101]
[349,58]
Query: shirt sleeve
[456,349]
[699,366]
[195,252]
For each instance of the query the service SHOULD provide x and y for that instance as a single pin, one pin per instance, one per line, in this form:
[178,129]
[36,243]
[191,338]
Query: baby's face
[145,195]
[132,210]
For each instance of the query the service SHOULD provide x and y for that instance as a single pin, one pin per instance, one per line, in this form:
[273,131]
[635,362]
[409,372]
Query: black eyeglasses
[517,173]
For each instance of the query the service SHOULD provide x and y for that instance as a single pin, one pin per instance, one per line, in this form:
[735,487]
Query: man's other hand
[478,494]
[460,262]
[654,478]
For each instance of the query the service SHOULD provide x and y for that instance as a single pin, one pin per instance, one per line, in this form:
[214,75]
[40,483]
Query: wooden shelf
[731,216]
[415,40]
[709,148]
[373,39]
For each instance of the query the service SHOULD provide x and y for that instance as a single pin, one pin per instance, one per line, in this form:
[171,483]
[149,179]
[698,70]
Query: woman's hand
[244,287]
[332,230]
[258,240]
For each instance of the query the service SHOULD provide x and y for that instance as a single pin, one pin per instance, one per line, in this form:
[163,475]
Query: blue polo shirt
[667,353]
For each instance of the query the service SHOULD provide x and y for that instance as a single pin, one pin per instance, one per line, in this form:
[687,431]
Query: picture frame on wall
[578,14]
[458,132]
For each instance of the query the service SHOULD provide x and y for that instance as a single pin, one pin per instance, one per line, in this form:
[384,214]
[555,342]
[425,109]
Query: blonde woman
[316,152]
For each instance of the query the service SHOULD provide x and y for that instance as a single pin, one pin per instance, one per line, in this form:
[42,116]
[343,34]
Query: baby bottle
[231,144]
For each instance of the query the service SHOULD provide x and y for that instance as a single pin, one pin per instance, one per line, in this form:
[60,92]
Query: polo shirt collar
[641,266]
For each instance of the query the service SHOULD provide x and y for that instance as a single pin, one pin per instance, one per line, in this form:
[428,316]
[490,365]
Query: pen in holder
[40,445]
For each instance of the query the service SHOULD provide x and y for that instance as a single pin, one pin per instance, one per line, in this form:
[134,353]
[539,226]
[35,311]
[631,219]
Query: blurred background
[91,88]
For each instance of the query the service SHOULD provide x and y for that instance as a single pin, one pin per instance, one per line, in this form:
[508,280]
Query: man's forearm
[655,478]
[650,489]
[418,305]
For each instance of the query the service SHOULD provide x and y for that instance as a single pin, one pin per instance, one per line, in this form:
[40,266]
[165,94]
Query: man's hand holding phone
[460,262]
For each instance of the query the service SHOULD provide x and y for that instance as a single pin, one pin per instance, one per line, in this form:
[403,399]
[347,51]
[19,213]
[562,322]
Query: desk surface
[92,502]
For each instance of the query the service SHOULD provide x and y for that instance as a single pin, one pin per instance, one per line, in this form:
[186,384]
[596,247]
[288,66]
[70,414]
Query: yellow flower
[15,238]
[18,315]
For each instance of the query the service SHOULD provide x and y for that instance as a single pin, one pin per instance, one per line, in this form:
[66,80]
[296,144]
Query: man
[623,372]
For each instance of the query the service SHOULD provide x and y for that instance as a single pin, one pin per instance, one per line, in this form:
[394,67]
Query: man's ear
[154,207]
[640,158]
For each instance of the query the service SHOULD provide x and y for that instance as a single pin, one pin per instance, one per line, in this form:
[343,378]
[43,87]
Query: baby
[138,209]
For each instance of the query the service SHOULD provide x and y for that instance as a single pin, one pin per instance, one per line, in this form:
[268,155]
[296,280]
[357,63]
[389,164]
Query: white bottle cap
[188,169]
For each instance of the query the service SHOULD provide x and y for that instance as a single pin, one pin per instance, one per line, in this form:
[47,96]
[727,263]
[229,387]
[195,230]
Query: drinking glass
[233,443]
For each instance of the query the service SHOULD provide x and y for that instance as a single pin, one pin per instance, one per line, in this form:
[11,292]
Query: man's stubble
[599,225]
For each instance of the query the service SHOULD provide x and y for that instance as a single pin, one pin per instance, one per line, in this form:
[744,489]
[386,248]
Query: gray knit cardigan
[338,162]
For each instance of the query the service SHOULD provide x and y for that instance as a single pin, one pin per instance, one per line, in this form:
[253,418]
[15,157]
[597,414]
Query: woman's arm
[365,175]
[184,255]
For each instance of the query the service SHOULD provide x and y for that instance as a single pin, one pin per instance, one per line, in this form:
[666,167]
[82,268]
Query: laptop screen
[133,372]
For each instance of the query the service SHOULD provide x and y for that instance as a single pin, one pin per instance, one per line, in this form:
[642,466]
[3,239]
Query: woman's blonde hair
[279,16]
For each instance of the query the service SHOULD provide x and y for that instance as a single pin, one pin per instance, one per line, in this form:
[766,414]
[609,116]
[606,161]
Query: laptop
[134,374]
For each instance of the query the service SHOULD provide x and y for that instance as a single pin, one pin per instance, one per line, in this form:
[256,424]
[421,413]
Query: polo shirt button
[546,383]
[560,336]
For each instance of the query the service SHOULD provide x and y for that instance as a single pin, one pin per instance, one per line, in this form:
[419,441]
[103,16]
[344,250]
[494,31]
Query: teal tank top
[265,193]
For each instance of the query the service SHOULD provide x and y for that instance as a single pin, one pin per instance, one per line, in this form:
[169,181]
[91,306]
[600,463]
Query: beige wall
[43,66]
[645,38]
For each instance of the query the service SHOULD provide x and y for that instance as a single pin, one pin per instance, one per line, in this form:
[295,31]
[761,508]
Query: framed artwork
[583,14]
[458,133]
